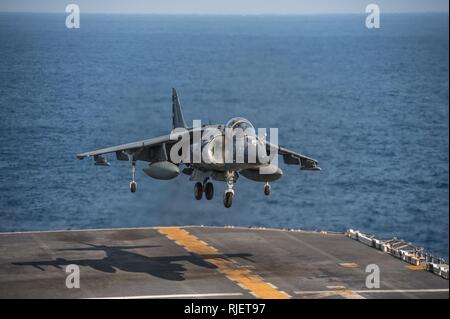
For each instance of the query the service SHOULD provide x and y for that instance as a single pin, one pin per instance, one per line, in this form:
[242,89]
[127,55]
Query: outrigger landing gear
[133,184]
[267,189]
[229,193]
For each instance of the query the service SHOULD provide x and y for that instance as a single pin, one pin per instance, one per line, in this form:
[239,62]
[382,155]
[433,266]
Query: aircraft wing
[127,147]
[294,158]
[145,150]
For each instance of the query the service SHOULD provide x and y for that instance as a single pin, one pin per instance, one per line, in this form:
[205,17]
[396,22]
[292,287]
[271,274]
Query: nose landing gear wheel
[267,189]
[228,199]
[133,186]
[198,191]
[209,190]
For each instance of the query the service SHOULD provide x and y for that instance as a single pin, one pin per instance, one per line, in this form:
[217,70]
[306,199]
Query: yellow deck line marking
[413,267]
[348,265]
[349,294]
[335,287]
[343,291]
[227,266]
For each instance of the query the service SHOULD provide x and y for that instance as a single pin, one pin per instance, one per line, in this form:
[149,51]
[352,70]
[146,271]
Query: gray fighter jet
[206,153]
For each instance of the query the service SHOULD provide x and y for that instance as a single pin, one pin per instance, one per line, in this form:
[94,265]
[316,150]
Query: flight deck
[204,262]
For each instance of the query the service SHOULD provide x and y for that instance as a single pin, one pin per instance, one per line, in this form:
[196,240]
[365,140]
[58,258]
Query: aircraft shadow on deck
[119,258]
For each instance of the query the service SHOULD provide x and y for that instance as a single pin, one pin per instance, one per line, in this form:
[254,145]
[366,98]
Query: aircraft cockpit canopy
[242,126]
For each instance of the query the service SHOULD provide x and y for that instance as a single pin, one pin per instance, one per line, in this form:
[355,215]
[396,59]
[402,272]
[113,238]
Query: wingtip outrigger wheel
[133,184]
[267,189]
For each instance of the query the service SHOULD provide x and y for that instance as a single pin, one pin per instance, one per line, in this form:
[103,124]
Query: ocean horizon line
[230,14]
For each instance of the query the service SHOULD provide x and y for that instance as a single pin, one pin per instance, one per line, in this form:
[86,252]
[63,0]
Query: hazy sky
[226,6]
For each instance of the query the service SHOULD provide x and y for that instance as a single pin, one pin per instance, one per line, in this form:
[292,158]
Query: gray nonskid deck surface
[146,263]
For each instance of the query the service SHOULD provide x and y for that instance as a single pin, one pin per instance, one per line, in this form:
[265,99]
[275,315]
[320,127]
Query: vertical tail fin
[177,114]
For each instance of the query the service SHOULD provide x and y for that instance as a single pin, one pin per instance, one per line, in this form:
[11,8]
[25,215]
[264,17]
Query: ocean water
[370,105]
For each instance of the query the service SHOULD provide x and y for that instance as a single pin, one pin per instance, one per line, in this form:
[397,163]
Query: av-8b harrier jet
[206,153]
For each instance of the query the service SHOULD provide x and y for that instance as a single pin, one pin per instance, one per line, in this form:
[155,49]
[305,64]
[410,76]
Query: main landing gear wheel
[228,198]
[267,189]
[198,191]
[133,186]
[209,190]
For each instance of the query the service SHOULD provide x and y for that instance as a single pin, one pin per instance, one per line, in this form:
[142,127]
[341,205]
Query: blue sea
[370,104]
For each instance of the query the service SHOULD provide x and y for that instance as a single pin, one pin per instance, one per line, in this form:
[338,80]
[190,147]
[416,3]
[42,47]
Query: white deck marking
[175,296]
[369,291]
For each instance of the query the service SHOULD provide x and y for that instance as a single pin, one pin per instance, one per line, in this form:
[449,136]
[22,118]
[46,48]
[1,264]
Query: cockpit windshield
[241,126]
